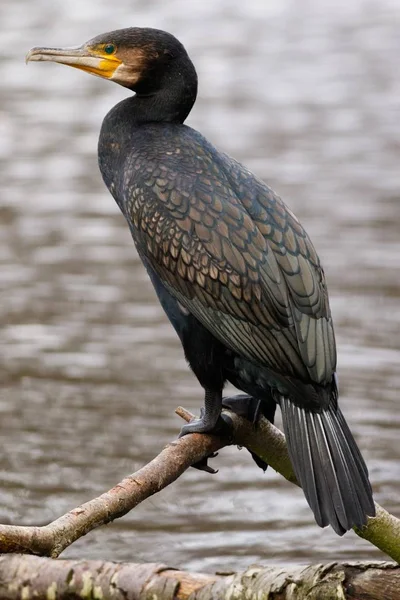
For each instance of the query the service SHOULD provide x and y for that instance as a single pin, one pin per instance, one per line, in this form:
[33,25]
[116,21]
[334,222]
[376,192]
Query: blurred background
[307,95]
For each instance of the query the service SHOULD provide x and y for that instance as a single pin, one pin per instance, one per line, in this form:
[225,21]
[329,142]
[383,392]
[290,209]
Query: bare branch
[265,440]
[52,539]
[268,442]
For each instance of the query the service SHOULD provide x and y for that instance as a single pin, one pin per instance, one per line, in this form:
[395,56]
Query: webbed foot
[210,421]
[223,427]
[203,465]
[209,415]
[206,425]
[244,406]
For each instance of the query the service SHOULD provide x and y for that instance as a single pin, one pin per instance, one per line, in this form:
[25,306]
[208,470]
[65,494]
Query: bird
[234,270]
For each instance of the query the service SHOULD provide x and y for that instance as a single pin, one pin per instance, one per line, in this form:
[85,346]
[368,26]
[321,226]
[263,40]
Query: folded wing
[232,253]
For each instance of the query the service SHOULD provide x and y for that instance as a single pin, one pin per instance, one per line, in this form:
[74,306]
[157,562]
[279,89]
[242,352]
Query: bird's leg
[209,416]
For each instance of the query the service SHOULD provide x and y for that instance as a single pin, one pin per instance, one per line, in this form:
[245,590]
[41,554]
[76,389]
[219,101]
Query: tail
[328,466]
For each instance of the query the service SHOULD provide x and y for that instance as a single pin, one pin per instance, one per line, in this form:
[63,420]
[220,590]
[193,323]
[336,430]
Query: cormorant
[234,270]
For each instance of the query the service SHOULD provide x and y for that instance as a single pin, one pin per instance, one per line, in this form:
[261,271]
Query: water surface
[308,97]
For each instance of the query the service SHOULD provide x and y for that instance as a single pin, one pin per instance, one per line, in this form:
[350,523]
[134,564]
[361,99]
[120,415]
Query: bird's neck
[168,101]
[171,100]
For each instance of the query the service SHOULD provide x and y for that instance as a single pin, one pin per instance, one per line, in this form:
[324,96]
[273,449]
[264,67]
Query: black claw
[259,461]
[257,414]
[223,427]
[203,465]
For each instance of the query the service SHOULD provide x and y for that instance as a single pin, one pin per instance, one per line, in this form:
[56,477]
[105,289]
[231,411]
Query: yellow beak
[88,59]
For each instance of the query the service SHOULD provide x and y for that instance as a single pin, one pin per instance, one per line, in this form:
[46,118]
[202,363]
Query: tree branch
[52,539]
[265,440]
[268,442]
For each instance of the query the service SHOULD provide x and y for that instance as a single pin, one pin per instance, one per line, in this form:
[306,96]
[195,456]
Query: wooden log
[24,577]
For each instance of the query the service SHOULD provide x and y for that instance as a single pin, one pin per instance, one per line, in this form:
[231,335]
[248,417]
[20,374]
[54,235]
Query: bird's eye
[109,49]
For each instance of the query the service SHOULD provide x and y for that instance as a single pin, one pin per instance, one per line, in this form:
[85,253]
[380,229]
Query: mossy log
[25,577]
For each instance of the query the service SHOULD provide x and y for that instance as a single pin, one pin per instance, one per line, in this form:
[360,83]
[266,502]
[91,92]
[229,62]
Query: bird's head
[137,58]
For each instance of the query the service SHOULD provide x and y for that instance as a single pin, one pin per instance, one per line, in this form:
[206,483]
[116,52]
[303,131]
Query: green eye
[109,49]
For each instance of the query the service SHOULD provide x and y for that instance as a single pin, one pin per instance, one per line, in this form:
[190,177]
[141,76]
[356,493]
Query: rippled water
[308,97]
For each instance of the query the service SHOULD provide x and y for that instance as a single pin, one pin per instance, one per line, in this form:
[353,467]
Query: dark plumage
[233,268]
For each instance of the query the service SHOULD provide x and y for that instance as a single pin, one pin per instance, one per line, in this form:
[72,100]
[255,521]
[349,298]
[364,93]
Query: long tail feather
[328,465]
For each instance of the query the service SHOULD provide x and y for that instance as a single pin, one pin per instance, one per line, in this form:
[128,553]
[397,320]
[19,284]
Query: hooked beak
[82,57]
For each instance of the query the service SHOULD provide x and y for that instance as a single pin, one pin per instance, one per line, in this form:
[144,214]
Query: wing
[230,251]
[300,265]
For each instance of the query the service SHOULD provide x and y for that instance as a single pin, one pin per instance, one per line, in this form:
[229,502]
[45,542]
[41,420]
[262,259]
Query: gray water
[307,95]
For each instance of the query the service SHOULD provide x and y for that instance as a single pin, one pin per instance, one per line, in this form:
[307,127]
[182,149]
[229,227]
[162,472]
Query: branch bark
[266,441]
[52,539]
[33,577]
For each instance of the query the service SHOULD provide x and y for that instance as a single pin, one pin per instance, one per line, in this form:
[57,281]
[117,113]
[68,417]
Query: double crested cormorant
[234,270]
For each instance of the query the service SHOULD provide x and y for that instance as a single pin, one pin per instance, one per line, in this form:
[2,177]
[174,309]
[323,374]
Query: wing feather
[235,256]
